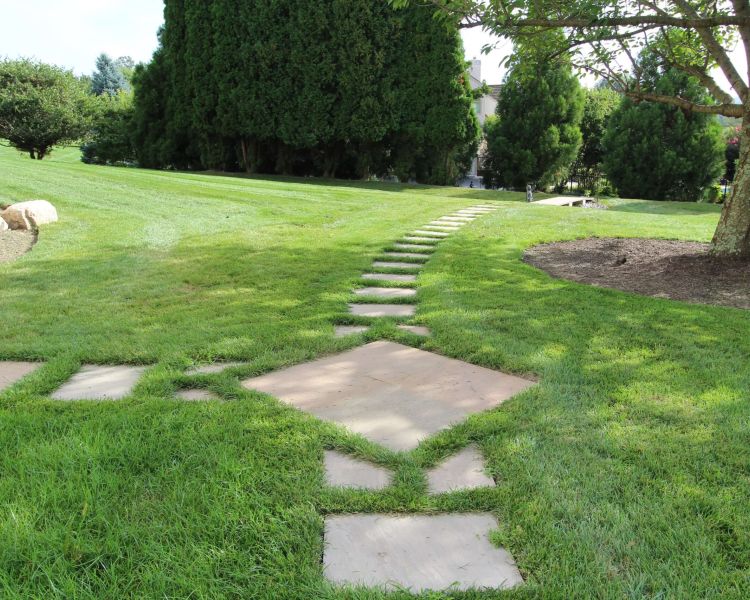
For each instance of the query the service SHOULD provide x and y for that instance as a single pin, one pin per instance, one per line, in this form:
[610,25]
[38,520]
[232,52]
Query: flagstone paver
[382,264]
[390,277]
[214,368]
[404,255]
[346,330]
[458,219]
[386,292]
[434,234]
[13,371]
[416,552]
[416,330]
[392,394]
[383,310]
[346,471]
[435,228]
[414,247]
[464,471]
[421,239]
[94,382]
[196,395]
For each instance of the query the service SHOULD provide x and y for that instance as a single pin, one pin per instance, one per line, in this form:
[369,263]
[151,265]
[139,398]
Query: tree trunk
[32,155]
[732,237]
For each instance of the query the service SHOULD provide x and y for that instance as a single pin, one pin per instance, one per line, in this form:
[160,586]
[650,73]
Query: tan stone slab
[196,395]
[464,471]
[385,292]
[404,255]
[346,471]
[389,277]
[417,552]
[383,310]
[421,239]
[392,394]
[458,219]
[434,228]
[434,234]
[415,247]
[416,330]
[13,371]
[382,264]
[347,330]
[94,382]
[214,368]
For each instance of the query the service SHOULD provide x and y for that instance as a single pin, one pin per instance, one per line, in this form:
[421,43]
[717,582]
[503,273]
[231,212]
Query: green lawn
[624,474]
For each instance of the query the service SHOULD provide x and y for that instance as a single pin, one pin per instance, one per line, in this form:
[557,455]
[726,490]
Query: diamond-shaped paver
[382,310]
[13,371]
[385,292]
[392,394]
[94,382]
[346,471]
[464,471]
[417,552]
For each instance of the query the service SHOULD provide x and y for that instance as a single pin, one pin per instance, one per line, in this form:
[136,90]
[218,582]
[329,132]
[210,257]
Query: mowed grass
[624,474]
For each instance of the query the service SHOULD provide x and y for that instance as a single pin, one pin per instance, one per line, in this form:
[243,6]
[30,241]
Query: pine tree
[108,78]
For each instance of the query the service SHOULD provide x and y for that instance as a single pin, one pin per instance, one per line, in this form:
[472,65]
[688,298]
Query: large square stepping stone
[383,310]
[464,471]
[420,330]
[196,395]
[12,371]
[392,394]
[389,277]
[347,330]
[95,382]
[384,292]
[345,471]
[417,552]
[214,368]
[380,264]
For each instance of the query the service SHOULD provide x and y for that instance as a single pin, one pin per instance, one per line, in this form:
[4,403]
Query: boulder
[29,215]
[3,225]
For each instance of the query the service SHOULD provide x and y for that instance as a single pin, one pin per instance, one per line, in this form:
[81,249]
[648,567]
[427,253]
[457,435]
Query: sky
[72,33]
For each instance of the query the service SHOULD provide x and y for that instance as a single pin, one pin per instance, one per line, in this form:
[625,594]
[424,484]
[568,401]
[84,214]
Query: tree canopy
[42,106]
[108,78]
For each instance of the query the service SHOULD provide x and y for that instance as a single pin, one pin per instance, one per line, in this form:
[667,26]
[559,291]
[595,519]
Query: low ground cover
[624,472]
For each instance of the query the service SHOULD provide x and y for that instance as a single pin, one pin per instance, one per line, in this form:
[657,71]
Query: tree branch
[727,110]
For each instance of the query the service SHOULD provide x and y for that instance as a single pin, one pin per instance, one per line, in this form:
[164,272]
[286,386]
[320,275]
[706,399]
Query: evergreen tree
[661,152]
[535,135]
[108,78]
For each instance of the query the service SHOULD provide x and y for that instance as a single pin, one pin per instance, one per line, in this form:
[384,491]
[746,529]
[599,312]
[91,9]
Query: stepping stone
[464,471]
[347,330]
[416,330]
[95,382]
[434,234]
[457,224]
[381,264]
[383,310]
[12,371]
[441,228]
[196,395]
[389,277]
[404,255]
[214,368]
[414,247]
[392,394]
[345,471]
[385,292]
[420,239]
[416,552]
[458,219]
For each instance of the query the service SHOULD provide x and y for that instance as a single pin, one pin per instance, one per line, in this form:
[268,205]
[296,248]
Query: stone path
[410,253]
[394,395]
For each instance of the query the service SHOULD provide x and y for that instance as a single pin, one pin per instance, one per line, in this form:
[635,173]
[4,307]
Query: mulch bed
[14,244]
[660,268]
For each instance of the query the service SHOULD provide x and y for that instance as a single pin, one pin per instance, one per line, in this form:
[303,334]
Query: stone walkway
[392,394]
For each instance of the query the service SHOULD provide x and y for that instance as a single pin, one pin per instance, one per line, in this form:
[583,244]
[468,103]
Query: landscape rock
[29,215]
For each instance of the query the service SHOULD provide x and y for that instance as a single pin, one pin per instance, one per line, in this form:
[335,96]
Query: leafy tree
[604,36]
[41,106]
[535,135]
[112,134]
[598,106]
[663,152]
[108,78]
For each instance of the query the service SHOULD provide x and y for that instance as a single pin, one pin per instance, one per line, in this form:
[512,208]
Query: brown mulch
[660,268]
[14,244]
